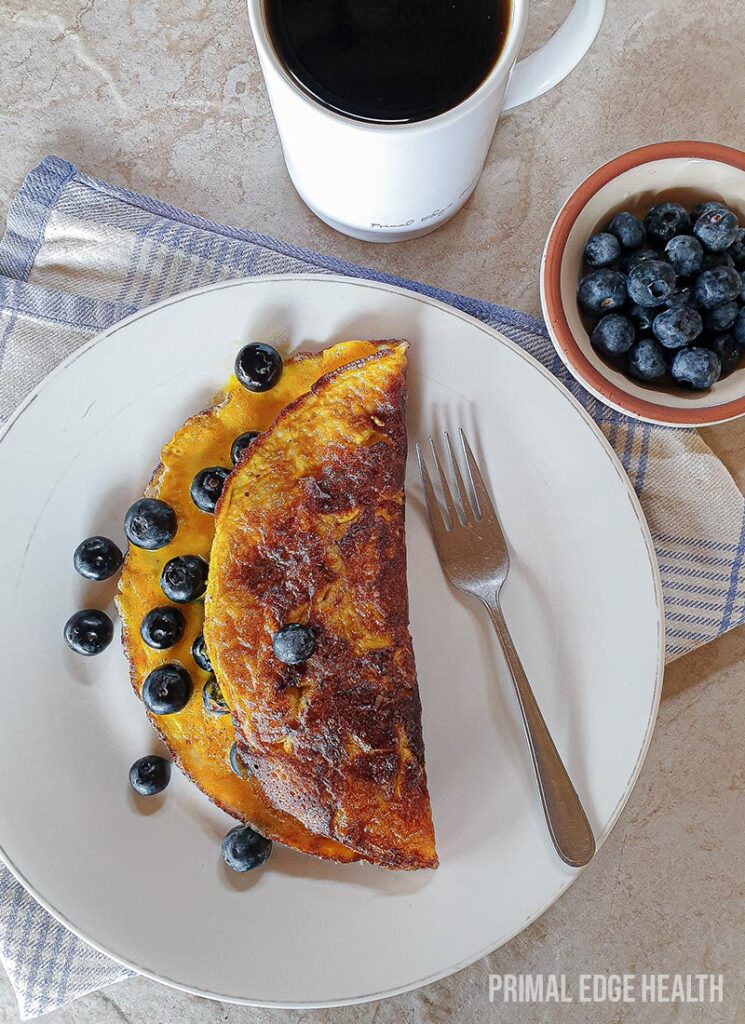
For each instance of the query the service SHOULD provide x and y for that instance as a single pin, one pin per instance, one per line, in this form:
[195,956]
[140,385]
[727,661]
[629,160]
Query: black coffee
[389,60]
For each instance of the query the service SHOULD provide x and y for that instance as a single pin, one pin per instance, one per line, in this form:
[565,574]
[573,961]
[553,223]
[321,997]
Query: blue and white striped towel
[79,254]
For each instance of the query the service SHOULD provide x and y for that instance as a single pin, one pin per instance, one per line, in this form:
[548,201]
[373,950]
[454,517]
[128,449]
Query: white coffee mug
[388,182]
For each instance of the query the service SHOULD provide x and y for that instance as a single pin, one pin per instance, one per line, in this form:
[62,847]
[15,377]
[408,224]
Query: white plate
[583,601]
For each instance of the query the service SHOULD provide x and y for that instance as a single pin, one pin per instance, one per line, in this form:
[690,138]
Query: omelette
[358,690]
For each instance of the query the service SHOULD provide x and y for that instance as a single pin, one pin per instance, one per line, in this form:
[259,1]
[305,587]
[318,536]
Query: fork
[474,557]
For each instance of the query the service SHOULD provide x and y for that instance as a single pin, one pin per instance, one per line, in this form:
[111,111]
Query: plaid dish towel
[79,254]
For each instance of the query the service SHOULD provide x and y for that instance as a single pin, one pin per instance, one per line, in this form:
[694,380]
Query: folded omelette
[307,535]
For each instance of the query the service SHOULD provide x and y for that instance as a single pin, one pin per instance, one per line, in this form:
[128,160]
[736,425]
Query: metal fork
[473,554]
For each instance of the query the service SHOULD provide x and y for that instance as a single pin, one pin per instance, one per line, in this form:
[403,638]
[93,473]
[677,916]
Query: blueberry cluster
[667,295]
[152,524]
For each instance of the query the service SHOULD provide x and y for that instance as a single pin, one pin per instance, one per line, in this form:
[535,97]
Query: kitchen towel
[79,254]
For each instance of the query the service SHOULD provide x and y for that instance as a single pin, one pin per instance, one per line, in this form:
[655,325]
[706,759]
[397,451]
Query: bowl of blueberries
[643,283]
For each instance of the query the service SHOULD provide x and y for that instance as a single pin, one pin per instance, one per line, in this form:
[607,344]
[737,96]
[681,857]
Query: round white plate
[583,602]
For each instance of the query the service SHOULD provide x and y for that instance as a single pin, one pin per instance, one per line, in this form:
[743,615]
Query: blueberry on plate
[721,318]
[258,367]
[602,291]
[613,335]
[150,775]
[685,254]
[150,524]
[89,632]
[238,763]
[665,220]
[737,249]
[716,229]
[212,698]
[206,487]
[243,849]
[651,283]
[738,328]
[705,207]
[716,286]
[696,368]
[97,558]
[241,444]
[167,690]
[162,627]
[677,326]
[729,352]
[628,230]
[184,578]
[646,360]
[293,644]
[200,655]
[640,317]
[602,250]
[633,259]
[717,259]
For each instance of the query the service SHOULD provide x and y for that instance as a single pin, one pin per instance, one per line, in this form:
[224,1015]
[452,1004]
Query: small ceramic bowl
[686,172]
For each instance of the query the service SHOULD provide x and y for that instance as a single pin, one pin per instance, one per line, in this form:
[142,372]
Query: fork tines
[465,510]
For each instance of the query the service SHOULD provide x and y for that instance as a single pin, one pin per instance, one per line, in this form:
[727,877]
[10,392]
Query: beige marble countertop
[166,97]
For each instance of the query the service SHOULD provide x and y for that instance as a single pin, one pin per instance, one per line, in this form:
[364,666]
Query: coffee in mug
[390,61]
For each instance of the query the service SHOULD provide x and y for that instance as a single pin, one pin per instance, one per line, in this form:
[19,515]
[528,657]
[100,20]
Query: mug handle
[545,68]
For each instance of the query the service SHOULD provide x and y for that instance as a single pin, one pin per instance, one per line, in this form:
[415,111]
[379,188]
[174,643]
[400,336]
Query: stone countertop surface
[167,98]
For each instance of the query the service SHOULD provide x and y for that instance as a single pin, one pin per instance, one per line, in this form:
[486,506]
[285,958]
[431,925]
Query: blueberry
[162,627]
[677,326]
[212,698]
[738,328]
[243,849]
[705,207]
[646,360]
[716,229]
[628,230]
[666,220]
[696,368]
[200,655]
[729,352]
[633,259]
[613,335]
[238,763]
[206,487]
[641,318]
[150,775]
[97,558]
[258,367]
[742,285]
[184,578]
[717,259]
[89,631]
[651,283]
[602,291]
[293,644]
[150,524]
[166,690]
[721,318]
[685,254]
[737,249]
[716,286]
[602,250]
[241,444]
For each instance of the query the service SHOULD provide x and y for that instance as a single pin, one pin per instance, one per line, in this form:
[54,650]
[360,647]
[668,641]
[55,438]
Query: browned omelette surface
[310,529]
[199,741]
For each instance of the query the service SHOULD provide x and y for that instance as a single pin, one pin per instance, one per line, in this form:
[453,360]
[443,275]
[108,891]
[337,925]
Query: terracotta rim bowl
[684,171]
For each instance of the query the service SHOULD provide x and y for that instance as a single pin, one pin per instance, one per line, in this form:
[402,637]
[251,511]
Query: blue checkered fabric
[79,254]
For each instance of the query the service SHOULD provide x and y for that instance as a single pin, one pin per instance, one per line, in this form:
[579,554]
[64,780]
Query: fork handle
[567,822]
